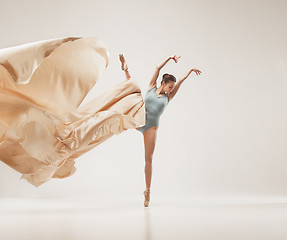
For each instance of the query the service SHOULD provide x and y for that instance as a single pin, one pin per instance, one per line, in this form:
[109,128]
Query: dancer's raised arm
[180,81]
[152,83]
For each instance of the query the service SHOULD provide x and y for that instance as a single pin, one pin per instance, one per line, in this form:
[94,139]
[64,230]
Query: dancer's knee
[148,160]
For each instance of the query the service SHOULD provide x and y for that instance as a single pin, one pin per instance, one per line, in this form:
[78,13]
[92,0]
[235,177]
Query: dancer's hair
[168,78]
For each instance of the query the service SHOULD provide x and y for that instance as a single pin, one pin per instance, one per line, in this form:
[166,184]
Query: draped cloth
[42,84]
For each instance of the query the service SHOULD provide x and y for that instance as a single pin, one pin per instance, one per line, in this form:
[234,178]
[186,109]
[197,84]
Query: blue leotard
[154,107]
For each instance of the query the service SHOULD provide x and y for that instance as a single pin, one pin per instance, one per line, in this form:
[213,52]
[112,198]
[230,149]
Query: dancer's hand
[198,72]
[175,58]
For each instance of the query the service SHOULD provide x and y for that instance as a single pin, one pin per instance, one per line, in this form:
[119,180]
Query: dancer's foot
[123,61]
[147,197]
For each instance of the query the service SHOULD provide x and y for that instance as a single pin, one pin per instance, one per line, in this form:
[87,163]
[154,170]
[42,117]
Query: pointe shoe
[147,197]
[123,61]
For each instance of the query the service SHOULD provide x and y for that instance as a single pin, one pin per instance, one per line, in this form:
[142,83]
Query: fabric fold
[42,84]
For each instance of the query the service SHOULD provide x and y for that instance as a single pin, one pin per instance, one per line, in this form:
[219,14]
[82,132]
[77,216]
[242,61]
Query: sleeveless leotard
[154,107]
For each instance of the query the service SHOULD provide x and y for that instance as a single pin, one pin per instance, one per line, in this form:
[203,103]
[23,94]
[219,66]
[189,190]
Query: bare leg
[149,142]
[125,66]
[128,76]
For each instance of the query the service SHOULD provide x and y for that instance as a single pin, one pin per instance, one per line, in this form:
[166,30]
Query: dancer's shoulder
[150,87]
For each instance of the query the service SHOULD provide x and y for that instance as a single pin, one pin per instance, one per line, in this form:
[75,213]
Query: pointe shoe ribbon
[124,64]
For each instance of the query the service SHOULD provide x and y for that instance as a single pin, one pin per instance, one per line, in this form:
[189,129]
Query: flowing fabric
[42,84]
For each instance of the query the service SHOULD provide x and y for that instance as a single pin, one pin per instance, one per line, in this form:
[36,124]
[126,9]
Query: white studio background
[224,134]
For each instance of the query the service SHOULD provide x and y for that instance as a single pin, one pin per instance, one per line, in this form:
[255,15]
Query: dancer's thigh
[149,141]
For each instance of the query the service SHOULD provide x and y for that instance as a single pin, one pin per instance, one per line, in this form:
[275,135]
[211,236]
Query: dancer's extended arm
[180,81]
[152,83]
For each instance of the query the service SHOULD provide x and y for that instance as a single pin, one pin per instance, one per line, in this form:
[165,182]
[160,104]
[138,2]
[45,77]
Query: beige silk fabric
[42,84]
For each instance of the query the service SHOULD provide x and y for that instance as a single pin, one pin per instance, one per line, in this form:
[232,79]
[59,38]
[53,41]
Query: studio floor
[164,219]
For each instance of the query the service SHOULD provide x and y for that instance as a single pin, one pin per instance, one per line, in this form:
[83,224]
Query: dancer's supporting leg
[149,142]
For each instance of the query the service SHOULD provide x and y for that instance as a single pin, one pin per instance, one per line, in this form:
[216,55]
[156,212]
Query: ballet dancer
[156,100]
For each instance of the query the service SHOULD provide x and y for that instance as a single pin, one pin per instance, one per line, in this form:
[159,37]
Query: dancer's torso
[154,106]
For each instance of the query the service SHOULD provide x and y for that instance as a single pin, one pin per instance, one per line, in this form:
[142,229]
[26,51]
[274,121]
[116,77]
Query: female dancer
[156,99]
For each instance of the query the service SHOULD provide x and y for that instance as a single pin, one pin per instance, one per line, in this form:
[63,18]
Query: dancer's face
[167,87]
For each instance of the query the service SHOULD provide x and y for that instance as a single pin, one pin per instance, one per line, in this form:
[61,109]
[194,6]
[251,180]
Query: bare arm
[152,82]
[180,81]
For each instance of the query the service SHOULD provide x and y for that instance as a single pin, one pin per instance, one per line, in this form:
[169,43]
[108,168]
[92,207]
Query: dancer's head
[168,82]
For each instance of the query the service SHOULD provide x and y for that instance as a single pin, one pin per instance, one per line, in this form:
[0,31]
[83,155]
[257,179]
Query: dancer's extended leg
[125,66]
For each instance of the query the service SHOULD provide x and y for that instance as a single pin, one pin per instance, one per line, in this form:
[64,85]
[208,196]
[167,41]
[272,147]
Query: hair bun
[168,77]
